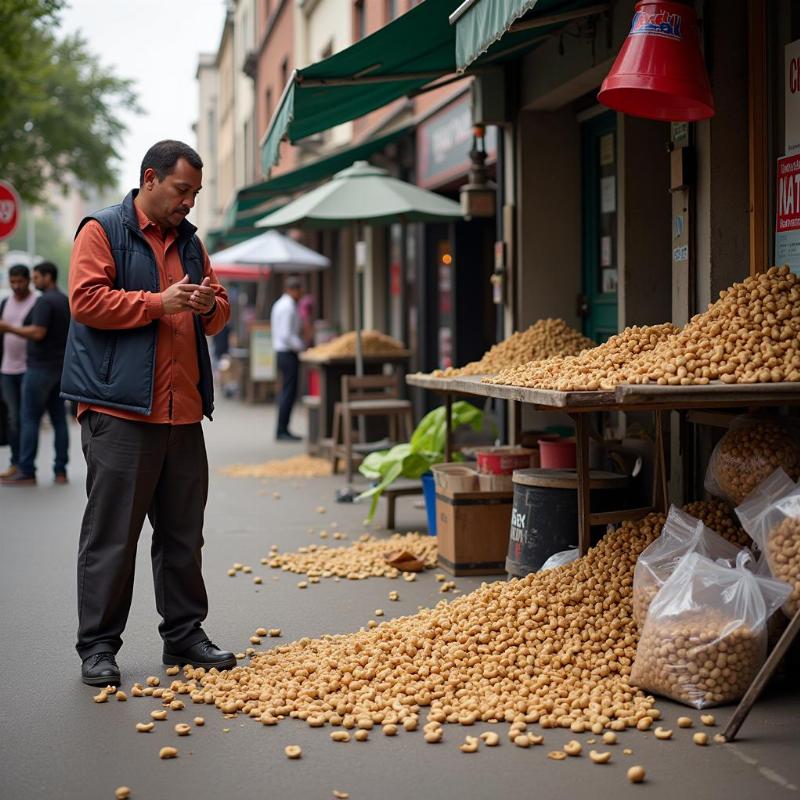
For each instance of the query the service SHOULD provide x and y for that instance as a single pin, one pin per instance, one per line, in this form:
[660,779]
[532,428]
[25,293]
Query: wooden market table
[627,398]
[330,375]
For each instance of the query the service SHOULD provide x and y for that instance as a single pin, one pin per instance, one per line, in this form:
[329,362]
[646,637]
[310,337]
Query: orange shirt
[95,302]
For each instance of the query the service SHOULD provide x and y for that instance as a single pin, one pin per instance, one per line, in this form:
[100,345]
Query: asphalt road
[56,743]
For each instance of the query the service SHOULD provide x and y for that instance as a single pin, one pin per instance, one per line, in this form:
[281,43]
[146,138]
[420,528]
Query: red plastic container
[503,460]
[557,453]
[313,382]
[659,72]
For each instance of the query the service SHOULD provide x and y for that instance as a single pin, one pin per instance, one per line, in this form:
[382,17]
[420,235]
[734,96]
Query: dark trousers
[289,366]
[41,387]
[136,469]
[11,392]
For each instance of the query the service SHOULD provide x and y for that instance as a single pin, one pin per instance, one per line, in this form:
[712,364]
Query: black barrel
[544,519]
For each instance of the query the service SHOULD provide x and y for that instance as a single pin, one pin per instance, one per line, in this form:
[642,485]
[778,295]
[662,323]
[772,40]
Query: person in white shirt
[287,343]
[13,356]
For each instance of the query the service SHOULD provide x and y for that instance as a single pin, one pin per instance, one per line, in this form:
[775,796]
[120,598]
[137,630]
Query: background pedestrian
[45,328]
[13,356]
[287,341]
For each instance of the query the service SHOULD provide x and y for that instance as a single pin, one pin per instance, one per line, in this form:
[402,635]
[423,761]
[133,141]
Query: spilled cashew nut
[292,751]
[661,733]
[168,752]
[490,738]
[145,727]
[599,758]
[470,745]
[573,748]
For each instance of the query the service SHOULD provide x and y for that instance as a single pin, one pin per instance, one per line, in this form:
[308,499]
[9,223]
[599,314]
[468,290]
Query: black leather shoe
[100,670]
[203,654]
[285,436]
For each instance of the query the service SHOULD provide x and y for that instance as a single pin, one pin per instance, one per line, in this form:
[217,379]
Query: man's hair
[164,155]
[47,268]
[292,282]
[19,271]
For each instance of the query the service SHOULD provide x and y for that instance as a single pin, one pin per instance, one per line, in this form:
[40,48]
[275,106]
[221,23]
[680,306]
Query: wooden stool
[368,396]
[398,489]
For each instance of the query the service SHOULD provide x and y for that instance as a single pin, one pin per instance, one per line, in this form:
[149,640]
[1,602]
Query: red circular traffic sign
[9,210]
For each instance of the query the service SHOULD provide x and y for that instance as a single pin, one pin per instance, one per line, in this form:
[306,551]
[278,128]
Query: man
[13,355]
[285,324]
[45,328]
[144,298]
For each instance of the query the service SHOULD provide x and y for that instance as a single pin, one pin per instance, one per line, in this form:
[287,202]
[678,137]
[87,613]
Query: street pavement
[57,743]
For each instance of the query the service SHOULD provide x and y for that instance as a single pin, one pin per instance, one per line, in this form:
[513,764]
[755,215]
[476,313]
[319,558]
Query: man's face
[20,285]
[40,281]
[170,200]
[295,294]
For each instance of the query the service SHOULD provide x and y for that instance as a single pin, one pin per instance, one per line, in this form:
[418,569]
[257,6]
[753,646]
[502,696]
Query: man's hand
[202,299]
[4,326]
[176,299]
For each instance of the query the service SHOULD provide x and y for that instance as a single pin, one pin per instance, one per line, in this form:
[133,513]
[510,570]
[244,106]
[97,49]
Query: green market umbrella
[359,195]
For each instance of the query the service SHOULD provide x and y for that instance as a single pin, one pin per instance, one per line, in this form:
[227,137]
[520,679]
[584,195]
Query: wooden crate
[472,530]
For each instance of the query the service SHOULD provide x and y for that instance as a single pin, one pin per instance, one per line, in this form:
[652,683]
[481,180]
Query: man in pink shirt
[13,355]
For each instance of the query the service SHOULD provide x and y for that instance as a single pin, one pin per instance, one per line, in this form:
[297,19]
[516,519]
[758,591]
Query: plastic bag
[771,515]
[560,559]
[749,452]
[680,535]
[705,636]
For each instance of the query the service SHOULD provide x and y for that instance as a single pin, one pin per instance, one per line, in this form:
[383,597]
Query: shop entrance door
[599,170]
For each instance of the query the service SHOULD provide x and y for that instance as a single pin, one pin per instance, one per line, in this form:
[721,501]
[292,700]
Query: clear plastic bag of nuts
[560,559]
[771,516]
[751,450]
[705,635]
[682,534]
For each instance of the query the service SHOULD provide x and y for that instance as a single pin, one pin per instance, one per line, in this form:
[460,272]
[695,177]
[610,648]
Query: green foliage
[58,105]
[413,459]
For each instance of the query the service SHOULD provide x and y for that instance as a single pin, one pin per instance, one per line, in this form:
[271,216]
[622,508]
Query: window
[284,72]
[359,20]
[268,105]
[391,10]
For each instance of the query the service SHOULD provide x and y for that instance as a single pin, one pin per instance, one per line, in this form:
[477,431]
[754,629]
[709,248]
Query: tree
[57,104]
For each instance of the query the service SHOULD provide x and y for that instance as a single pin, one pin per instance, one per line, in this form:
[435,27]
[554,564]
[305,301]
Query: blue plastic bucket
[429,490]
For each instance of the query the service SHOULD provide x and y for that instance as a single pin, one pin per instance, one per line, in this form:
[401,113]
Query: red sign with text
[788,208]
[9,210]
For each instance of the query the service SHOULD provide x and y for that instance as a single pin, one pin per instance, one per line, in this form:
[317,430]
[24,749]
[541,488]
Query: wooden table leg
[448,418]
[584,479]
[660,494]
[762,679]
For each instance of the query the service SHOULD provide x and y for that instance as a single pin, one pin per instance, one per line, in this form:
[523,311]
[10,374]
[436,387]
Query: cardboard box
[473,530]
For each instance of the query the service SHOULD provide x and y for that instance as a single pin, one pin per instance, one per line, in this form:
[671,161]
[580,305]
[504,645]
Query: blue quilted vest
[116,368]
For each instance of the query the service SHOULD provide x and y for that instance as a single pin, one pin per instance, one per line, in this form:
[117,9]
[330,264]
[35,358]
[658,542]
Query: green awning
[259,199]
[410,53]
[255,195]
[397,59]
[481,24]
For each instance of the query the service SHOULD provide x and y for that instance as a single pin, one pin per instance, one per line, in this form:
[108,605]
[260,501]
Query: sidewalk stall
[656,318]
